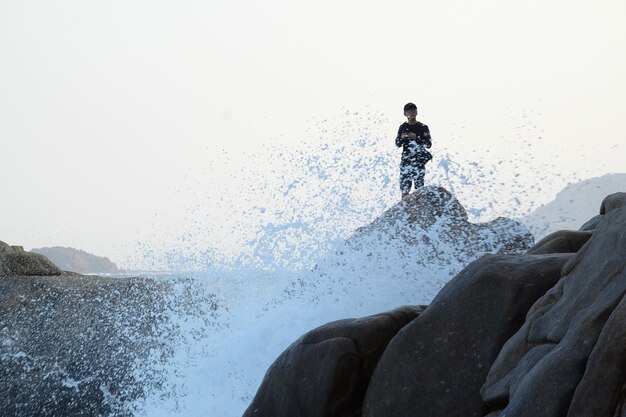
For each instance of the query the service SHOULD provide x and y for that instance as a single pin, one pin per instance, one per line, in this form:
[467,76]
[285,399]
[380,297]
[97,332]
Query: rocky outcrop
[71,344]
[550,358]
[15,261]
[338,359]
[538,334]
[462,330]
[563,241]
[75,260]
[76,345]
[612,202]
[432,221]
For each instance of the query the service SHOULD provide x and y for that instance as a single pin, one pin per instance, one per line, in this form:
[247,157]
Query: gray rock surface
[600,391]
[70,341]
[613,202]
[326,371]
[4,248]
[560,360]
[75,345]
[14,261]
[432,220]
[563,241]
[436,365]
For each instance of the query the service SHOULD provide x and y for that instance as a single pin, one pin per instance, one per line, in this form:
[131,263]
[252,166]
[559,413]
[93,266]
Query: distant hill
[75,260]
[573,205]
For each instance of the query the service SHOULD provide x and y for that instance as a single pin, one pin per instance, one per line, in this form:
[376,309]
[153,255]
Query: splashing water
[293,279]
[207,337]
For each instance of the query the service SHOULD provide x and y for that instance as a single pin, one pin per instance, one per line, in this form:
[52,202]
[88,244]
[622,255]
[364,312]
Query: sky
[136,126]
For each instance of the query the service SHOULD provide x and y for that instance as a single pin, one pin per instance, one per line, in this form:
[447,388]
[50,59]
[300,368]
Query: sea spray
[379,268]
[201,344]
[295,271]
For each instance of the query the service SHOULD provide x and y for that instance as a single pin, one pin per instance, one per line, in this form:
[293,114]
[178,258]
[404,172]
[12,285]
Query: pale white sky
[134,125]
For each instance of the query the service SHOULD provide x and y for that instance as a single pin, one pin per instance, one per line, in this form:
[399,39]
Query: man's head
[410,110]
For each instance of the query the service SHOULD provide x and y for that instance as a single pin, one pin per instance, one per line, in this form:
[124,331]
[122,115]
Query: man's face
[411,114]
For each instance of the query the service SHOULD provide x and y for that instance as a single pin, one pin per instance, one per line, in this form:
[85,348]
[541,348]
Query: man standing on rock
[414,137]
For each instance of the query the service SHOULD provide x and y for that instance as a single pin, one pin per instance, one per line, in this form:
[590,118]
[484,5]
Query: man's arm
[426,137]
[399,139]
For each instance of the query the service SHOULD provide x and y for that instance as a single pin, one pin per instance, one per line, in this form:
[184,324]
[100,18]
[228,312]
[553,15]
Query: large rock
[326,371]
[430,224]
[74,345]
[75,260]
[567,358]
[563,241]
[600,391]
[436,365]
[612,202]
[14,261]
[87,346]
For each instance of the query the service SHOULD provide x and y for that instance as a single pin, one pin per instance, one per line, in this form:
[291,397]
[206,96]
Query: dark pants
[411,173]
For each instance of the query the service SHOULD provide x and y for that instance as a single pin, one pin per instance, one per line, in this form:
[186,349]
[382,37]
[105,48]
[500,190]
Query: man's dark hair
[410,106]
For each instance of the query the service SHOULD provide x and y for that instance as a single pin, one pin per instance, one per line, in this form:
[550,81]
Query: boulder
[87,346]
[436,365]
[612,202]
[325,373]
[421,209]
[4,248]
[431,222]
[567,357]
[600,391]
[501,235]
[14,261]
[563,241]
